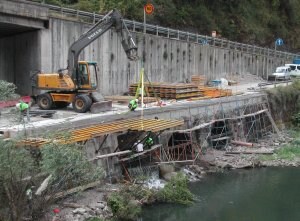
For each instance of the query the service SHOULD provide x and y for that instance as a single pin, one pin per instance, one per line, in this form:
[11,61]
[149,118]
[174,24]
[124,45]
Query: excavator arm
[112,19]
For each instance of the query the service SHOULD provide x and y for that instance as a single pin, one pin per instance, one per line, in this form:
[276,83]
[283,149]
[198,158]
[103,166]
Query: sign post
[148,9]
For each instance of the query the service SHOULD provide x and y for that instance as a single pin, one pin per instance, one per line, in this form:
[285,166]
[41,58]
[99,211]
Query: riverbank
[269,151]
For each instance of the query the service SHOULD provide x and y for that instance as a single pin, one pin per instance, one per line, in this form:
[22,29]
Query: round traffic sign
[279,41]
[149,8]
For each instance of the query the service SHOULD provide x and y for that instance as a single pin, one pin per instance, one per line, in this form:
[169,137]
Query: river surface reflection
[266,194]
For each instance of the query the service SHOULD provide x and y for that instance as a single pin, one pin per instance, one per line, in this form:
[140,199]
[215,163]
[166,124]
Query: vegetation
[176,191]
[15,165]
[7,91]
[68,166]
[296,119]
[252,21]
[124,207]
[94,219]
[23,171]
[288,152]
[126,204]
[285,101]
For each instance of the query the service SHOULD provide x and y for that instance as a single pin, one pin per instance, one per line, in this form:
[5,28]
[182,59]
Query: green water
[267,194]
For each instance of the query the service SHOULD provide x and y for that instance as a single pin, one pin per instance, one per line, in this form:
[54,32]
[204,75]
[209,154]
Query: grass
[286,152]
[94,219]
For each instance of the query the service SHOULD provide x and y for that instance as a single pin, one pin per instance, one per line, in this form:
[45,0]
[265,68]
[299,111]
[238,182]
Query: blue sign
[279,41]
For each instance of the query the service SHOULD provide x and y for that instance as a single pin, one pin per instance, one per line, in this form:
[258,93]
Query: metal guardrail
[176,34]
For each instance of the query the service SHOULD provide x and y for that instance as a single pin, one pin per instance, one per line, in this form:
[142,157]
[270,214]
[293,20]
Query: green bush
[124,206]
[284,101]
[7,91]
[68,166]
[176,191]
[296,119]
[16,165]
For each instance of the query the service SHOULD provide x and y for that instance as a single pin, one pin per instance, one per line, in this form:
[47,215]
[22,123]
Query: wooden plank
[141,153]
[111,155]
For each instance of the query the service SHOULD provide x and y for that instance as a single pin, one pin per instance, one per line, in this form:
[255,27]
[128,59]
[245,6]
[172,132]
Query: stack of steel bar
[84,134]
[198,80]
[179,91]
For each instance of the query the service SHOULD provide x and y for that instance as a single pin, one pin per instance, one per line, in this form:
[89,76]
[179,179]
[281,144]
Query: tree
[22,173]
[16,169]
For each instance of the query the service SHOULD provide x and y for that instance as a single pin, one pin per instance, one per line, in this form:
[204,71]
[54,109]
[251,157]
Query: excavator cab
[87,75]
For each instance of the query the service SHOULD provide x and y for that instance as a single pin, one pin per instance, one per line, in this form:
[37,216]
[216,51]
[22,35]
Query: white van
[295,69]
[281,73]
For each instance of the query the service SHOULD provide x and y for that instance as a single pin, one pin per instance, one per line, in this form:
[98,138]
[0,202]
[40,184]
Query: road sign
[279,42]
[149,8]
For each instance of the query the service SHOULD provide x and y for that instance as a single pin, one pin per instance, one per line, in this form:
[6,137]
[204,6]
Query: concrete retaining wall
[167,60]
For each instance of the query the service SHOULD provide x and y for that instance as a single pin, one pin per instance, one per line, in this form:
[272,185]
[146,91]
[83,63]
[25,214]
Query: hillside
[258,22]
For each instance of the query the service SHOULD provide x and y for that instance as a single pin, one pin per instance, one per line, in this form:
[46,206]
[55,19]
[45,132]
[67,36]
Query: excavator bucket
[131,52]
[101,106]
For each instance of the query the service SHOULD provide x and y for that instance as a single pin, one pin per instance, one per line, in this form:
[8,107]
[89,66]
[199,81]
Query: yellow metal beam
[84,134]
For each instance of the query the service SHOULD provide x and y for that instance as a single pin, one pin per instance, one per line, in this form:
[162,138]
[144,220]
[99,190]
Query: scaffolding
[220,124]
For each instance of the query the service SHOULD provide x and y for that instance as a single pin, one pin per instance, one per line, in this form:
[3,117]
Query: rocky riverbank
[267,152]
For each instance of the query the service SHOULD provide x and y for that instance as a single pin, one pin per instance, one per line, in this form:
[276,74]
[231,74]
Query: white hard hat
[18,105]
[137,100]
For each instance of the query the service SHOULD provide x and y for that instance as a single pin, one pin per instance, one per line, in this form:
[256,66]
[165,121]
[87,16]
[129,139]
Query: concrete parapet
[24,9]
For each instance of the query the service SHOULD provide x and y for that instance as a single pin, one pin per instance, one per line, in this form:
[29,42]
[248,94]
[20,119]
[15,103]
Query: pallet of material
[151,89]
[168,90]
[179,91]
[198,79]
[126,99]
[215,92]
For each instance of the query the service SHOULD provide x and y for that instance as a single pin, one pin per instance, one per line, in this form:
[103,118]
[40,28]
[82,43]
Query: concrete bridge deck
[189,111]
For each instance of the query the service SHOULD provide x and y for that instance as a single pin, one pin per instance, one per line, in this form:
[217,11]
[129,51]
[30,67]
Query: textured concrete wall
[19,55]
[23,14]
[166,60]
[7,61]
[24,9]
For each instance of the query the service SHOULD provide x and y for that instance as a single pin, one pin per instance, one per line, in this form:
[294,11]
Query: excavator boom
[112,19]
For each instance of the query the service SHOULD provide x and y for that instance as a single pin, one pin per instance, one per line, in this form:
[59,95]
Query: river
[266,194]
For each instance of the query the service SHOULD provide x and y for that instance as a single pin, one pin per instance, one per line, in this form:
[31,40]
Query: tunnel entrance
[20,47]
[19,55]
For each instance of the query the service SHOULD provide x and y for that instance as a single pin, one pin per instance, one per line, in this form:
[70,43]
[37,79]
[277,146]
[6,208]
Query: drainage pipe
[246,144]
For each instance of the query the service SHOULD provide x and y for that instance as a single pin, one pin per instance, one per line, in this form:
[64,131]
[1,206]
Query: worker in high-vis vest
[133,104]
[149,142]
[23,108]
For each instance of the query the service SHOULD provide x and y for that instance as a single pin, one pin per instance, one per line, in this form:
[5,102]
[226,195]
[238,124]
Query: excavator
[77,84]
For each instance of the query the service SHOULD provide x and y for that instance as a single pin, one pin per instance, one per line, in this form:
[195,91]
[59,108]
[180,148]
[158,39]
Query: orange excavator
[79,85]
